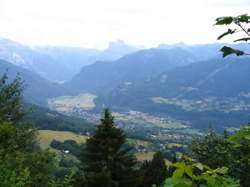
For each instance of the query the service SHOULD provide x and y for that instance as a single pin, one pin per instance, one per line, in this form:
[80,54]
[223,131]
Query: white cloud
[93,23]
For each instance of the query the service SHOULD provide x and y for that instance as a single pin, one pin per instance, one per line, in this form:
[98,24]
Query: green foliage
[239,167]
[11,108]
[199,175]
[228,51]
[9,178]
[22,163]
[212,150]
[232,152]
[105,161]
[241,22]
[46,119]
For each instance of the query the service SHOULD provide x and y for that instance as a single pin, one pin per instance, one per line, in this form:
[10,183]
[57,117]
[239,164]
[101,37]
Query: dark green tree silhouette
[155,171]
[107,162]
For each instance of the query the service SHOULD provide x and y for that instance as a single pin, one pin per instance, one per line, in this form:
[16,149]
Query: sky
[94,23]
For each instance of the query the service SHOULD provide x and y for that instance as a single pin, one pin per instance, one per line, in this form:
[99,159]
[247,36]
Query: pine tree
[156,171]
[107,162]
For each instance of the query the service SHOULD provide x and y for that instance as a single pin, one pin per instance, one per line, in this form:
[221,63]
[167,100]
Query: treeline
[106,160]
[45,119]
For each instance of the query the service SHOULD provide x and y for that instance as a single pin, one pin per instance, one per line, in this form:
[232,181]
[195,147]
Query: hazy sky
[93,23]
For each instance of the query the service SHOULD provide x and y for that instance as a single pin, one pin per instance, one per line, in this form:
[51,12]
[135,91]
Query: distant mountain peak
[119,45]
[170,46]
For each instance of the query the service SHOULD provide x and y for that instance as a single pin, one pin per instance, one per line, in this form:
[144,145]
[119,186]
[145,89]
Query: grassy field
[148,156]
[45,137]
[144,156]
[143,119]
[67,103]
[139,142]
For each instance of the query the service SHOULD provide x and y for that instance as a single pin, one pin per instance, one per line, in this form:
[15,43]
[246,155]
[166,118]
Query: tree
[238,25]
[22,163]
[232,152]
[212,150]
[240,142]
[155,171]
[106,162]
[15,136]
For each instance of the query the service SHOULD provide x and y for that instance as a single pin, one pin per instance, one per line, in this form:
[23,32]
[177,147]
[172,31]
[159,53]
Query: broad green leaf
[228,51]
[224,20]
[229,31]
[178,173]
[242,39]
[199,166]
[222,170]
[179,164]
[188,171]
[243,18]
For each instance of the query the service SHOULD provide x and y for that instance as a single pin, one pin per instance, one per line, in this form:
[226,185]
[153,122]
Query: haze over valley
[189,85]
[121,93]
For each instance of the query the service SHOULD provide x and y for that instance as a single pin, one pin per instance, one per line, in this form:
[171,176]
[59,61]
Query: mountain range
[57,63]
[102,77]
[189,83]
[202,92]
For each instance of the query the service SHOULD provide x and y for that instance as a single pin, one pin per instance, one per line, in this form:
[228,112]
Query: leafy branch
[238,21]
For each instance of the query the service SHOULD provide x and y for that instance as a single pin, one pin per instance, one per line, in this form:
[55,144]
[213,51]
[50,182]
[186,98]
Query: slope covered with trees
[209,89]
[37,89]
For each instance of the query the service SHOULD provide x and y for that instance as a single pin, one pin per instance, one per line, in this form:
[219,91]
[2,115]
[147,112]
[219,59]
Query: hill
[102,77]
[58,63]
[45,119]
[214,91]
[36,89]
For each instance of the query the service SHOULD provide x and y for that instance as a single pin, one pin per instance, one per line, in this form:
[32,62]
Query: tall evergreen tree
[107,162]
[156,171]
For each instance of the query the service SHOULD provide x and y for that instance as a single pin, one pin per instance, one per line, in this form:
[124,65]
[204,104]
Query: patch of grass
[144,156]
[190,131]
[139,142]
[68,103]
[45,137]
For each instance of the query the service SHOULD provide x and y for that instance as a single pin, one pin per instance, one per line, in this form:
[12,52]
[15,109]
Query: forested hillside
[36,89]
[215,90]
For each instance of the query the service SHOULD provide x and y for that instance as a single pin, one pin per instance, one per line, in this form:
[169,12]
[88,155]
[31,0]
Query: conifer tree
[107,162]
[156,171]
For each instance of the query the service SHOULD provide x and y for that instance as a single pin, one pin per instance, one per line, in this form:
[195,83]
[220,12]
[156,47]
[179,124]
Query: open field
[139,142]
[228,104]
[144,156]
[46,136]
[68,103]
[150,120]
[148,156]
